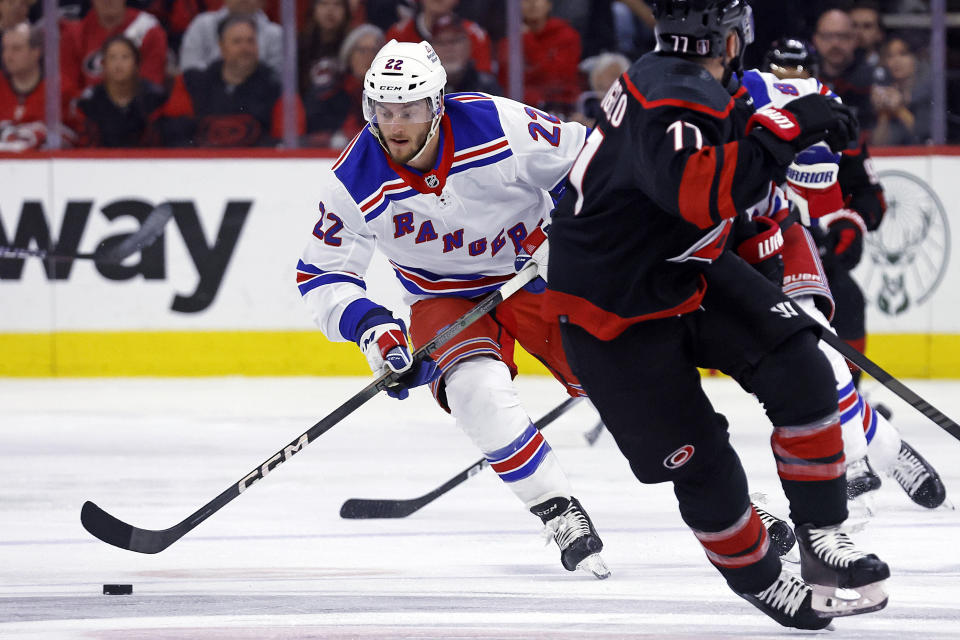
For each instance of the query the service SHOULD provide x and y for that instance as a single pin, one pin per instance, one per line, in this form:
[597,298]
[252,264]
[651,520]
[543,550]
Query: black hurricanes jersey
[651,198]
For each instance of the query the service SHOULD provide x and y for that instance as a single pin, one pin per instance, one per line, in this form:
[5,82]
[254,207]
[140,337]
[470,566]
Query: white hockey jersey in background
[452,231]
[816,166]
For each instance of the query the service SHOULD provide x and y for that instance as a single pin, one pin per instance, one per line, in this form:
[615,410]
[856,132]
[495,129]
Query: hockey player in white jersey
[813,187]
[448,188]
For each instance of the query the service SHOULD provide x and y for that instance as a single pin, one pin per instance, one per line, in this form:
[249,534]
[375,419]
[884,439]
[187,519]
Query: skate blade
[862,506]
[594,564]
[834,602]
[946,505]
[792,556]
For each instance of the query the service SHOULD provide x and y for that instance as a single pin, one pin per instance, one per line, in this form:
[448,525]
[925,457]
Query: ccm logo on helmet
[387,87]
[679,457]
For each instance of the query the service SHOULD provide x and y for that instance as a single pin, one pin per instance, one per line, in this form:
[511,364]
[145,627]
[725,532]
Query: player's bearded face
[404,127]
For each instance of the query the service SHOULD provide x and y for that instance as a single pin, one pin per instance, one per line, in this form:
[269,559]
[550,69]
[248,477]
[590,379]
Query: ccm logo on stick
[272,463]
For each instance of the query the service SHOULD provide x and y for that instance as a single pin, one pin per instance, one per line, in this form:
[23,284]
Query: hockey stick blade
[114,531]
[147,234]
[887,380]
[372,508]
[149,231]
[120,534]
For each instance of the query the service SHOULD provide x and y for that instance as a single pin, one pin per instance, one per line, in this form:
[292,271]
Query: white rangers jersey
[452,231]
[816,166]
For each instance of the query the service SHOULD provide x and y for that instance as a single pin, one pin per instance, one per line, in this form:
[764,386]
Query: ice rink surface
[279,562]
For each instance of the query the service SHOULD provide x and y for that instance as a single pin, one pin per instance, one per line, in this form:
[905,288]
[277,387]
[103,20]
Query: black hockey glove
[803,122]
[760,242]
[842,244]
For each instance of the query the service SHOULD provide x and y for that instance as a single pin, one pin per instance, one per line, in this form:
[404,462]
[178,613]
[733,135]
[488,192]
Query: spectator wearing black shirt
[452,44]
[233,102]
[843,68]
[334,112]
[319,44]
[119,111]
[868,25]
[903,103]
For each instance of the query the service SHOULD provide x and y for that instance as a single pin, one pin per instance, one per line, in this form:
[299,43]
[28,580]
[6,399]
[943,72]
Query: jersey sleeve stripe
[695,186]
[310,276]
[725,206]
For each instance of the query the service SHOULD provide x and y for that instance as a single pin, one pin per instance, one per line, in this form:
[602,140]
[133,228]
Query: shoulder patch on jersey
[657,80]
[477,132]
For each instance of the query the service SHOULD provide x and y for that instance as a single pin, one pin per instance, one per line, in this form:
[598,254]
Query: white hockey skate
[845,581]
[788,601]
[568,524]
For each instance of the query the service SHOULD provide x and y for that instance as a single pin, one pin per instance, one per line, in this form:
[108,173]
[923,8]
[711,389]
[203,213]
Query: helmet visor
[387,113]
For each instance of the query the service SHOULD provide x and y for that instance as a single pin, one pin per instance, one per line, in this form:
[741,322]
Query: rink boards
[216,295]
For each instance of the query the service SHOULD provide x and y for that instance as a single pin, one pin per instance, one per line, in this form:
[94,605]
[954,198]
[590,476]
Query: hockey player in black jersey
[659,265]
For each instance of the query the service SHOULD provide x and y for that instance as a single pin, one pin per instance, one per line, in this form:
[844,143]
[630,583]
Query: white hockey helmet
[404,72]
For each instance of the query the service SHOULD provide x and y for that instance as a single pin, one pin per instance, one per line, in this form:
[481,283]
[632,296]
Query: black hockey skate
[861,478]
[788,601]
[829,562]
[780,532]
[569,525]
[920,480]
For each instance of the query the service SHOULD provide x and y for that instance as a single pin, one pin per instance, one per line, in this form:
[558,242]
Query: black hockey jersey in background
[665,168]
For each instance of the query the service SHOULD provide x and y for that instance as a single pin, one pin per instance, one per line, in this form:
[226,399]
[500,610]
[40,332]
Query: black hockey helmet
[700,27]
[791,55]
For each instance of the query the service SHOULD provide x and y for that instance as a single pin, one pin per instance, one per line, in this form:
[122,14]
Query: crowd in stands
[206,73]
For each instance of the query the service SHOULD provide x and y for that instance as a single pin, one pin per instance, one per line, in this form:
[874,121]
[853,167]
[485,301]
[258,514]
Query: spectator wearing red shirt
[12,13]
[22,91]
[234,102]
[551,53]
[80,49]
[420,27]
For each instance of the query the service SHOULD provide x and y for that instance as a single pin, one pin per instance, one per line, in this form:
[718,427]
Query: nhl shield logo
[432,181]
[703,47]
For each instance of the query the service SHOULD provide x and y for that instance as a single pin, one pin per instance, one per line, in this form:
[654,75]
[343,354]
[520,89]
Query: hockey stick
[149,231]
[362,508]
[120,534]
[892,383]
[593,434]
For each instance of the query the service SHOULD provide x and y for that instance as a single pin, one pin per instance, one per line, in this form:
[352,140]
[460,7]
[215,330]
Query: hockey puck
[117,589]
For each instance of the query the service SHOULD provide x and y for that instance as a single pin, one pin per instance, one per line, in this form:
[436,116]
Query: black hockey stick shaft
[366,508]
[149,231]
[120,534]
[887,380]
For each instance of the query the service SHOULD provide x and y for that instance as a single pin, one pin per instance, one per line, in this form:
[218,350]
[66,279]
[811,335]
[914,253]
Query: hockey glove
[763,247]
[806,121]
[384,343]
[843,243]
[536,248]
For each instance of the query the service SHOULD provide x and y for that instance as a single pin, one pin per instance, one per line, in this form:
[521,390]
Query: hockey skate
[780,532]
[788,601]
[568,524]
[830,563]
[918,478]
[861,480]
